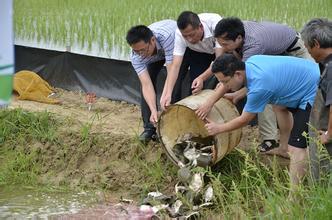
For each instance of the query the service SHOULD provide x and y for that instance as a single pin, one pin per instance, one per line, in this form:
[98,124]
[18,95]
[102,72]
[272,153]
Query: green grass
[104,23]
[19,125]
[19,129]
[245,187]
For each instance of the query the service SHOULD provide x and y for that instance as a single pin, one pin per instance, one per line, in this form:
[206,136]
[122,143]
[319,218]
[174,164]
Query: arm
[149,94]
[168,69]
[236,96]
[172,75]
[217,128]
[205,108]
[197,84]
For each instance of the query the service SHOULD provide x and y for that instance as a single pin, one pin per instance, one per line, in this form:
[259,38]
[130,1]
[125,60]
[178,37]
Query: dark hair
[227,64]
[319,29]
[139,33]
[232,27]
[188,18]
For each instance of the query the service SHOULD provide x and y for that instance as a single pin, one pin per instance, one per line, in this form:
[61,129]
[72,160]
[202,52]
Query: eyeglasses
[143,51]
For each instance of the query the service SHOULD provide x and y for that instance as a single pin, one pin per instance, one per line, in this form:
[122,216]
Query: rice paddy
[102,24]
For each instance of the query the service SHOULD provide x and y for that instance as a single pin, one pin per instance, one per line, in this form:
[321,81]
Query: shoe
[267,145]
[147,136]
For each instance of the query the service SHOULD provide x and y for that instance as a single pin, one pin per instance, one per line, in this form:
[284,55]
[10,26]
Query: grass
[18,129]
[102,24]
[245,187]
[18,125]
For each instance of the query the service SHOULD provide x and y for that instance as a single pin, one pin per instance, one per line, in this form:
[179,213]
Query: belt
[290,48]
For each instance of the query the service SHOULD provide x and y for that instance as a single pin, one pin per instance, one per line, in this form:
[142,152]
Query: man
[249,38]
[195,46]
[152,47]
[289,83]
[317,37]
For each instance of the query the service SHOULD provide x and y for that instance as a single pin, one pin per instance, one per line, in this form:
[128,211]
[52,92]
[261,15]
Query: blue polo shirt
[280,80]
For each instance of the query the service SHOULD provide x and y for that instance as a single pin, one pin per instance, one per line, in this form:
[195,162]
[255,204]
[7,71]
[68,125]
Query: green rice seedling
[106,19]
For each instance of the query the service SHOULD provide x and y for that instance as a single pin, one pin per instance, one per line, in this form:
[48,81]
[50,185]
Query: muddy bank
[99,148]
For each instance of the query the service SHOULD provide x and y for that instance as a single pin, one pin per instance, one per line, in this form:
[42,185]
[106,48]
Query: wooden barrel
[180,119]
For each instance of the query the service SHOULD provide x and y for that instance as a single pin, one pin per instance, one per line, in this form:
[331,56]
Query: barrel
[180,119]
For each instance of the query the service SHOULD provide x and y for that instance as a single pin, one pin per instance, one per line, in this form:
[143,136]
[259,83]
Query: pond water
[29,203]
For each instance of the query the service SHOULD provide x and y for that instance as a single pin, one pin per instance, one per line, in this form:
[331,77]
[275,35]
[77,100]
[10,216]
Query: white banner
[6,51]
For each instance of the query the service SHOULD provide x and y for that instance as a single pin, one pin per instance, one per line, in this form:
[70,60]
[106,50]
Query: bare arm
[149,94]
[168,69]
[205,108]
[217,128]
[172,75]
[236,96]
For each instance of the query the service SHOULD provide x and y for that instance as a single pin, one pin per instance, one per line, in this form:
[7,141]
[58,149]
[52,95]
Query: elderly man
[152,47]
[248,38]
[317,37]
[288,83]
[195,46]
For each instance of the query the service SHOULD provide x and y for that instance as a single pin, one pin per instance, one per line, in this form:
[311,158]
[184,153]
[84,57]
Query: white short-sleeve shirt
[207,44]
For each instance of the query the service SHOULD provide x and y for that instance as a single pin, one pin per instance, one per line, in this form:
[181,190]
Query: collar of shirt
[158,45]
[327,59]
[207,32]
[323,64]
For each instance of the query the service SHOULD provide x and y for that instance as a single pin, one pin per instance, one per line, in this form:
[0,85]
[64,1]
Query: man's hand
[154,117]
[165,101]
[197,85]
[204,110]
[324,137]
[212,128]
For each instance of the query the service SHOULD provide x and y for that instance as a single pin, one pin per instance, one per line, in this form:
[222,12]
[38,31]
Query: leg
[268,130]
[285,122]
[149,129]
[297,145]
[298,164]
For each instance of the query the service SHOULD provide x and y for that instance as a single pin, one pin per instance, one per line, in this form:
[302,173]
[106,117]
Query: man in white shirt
[194,44]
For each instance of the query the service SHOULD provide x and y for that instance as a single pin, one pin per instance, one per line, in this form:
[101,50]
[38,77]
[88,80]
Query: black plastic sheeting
[113,79]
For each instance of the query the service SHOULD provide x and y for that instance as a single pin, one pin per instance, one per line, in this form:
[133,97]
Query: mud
[107,157]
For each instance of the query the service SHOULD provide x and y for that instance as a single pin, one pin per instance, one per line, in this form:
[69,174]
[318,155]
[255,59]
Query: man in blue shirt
[245,39]
[288,83]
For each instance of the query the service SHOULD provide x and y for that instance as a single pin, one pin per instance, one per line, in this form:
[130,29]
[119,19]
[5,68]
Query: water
[23,203]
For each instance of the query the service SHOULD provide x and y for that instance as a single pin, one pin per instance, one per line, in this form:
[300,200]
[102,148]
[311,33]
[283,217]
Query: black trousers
[193,64]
